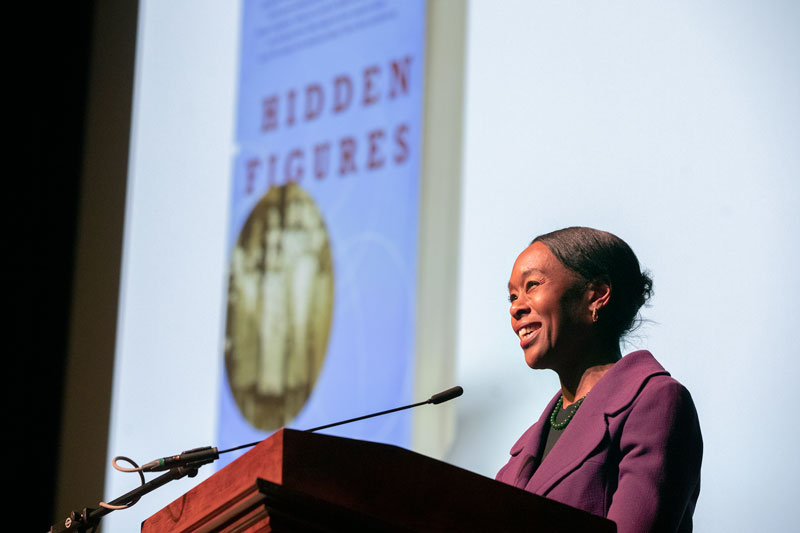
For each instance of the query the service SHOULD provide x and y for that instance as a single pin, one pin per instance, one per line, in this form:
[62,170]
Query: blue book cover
[322,243]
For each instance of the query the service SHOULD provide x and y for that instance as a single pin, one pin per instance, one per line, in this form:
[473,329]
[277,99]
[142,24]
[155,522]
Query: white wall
[675,126]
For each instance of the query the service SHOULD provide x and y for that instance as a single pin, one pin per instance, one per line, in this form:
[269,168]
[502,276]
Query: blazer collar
[528,446]
[586,431]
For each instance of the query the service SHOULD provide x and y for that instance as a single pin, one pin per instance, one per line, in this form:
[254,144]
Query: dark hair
[601,256]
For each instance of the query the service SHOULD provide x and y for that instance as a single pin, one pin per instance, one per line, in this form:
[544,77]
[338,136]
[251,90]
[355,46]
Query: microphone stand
[89,517]
[81,521]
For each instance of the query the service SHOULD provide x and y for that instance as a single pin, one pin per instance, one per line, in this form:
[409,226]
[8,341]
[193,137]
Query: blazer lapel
[527,447]
[586,431]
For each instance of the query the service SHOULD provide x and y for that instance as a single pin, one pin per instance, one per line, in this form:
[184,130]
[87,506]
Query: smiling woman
[621,438]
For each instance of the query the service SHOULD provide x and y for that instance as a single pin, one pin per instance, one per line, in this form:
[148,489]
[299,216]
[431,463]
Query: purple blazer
[632,452]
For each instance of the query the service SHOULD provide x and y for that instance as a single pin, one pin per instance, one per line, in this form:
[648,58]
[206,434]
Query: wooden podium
[298,481]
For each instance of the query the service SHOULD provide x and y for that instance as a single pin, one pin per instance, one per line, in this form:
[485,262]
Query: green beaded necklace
[557,408]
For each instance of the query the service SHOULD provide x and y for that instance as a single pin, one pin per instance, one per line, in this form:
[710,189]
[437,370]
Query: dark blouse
[554,434]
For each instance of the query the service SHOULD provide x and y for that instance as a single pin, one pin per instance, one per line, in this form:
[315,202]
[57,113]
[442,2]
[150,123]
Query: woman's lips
[527,333]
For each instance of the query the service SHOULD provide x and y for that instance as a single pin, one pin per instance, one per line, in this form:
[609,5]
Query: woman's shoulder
[665,397]
[639,379]
[661,400]
[654,380]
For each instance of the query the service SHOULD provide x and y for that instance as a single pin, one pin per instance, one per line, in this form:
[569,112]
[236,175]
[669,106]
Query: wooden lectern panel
[297,481]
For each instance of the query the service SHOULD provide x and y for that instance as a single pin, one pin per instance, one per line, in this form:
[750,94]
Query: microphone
[436,399]
[195,457]
[446,395]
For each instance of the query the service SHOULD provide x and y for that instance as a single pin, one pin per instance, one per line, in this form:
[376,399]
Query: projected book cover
[322,244]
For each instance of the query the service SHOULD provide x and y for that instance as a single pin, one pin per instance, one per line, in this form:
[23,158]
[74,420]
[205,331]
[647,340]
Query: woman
[621,438]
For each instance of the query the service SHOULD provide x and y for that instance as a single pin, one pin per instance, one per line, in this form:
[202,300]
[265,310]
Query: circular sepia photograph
[280,305]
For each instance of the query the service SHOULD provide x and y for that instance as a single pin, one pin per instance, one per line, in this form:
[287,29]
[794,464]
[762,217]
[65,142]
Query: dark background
[51,57]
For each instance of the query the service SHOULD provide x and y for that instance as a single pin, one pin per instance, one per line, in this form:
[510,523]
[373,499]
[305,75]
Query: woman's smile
[527,333]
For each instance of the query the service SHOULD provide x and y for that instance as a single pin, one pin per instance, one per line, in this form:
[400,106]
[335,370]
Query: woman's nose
[519,309]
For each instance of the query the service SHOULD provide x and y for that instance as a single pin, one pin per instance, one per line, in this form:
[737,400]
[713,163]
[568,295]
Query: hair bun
[599,255]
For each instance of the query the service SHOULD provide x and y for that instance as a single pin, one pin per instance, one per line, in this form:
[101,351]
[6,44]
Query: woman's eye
[531,284]
[512,298]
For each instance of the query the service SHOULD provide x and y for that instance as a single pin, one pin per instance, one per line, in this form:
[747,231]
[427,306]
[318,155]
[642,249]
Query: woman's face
[546,300]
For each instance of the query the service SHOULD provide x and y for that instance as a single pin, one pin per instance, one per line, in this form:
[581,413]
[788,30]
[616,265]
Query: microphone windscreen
[446,395]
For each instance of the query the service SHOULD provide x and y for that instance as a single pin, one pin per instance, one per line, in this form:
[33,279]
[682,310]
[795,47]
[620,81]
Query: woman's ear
[598,294]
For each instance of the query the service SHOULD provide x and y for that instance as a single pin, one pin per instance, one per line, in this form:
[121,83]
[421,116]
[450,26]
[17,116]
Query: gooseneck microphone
[187,463]
[208,454]
[438,398]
